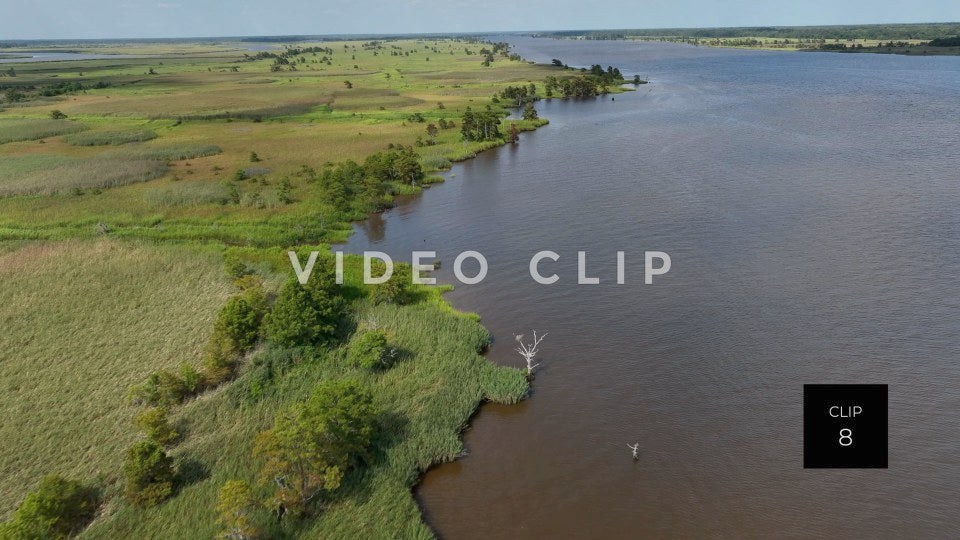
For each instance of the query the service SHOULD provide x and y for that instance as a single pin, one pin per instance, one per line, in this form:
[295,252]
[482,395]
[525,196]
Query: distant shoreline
[922,39]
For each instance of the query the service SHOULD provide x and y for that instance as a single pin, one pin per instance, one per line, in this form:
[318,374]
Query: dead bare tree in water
[529,350]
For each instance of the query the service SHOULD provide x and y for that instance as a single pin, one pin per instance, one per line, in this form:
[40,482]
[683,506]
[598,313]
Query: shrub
[149,474]
[239,319]
[161,388]
[218,360]
[192,379]
[236,504]
[237,329]
[248,282]
[369,350]
[395,290]
[236,268]
[58,508]
[57,114]
[154,423]
[294,320]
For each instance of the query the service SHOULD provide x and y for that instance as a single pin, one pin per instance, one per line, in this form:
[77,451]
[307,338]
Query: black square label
[845,426]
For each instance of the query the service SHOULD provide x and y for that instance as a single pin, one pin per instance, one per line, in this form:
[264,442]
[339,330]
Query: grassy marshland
[115,223]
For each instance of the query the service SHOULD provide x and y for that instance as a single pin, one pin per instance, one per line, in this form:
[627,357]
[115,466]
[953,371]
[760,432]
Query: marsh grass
[28,129]
[104,138]
[81,174]
[188,194]
[169,152]
[82,327]
[427,396]
[82,321]
[13,166]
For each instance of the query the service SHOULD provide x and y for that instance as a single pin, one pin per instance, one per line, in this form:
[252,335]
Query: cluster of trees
[480,126]
[22,93]
[289,52]
[365,186]
[291,56]
[501,48]
[945,42]
[611,75]
[313,444]
[576,86]
[519,95]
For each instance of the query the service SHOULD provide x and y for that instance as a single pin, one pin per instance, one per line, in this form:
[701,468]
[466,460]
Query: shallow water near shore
[809,204]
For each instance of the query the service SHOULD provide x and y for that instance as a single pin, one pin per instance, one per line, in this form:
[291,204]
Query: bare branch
[529,350]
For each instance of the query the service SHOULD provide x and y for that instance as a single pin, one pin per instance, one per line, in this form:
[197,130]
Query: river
[809,203]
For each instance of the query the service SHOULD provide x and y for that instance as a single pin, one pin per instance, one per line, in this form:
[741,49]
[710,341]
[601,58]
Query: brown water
[810,206]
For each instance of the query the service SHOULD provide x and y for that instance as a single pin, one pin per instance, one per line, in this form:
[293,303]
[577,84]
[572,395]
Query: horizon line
[386,35]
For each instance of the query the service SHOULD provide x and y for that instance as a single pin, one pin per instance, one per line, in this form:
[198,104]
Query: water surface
[809,203]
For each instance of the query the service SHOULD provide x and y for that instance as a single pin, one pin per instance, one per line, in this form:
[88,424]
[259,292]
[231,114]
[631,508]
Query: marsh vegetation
[158,358]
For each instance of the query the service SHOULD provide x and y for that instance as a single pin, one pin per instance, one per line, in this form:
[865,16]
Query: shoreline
[904,50]
[443,288]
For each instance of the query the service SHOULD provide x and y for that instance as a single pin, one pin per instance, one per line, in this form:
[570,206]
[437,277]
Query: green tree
[513,135]
[155,424]
[239,319]
[395,290]
[432,132]
[236,505]
[162,387]
[306,314]
[529,113]
[313,444]
[58,508]
[149,474]
[369,350]
[468,124]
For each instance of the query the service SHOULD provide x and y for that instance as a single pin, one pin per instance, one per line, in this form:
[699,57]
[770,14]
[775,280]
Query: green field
[291,119]
[127,185]
[82,322]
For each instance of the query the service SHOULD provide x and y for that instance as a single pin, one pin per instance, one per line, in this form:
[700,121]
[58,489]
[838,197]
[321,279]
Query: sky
[77,19]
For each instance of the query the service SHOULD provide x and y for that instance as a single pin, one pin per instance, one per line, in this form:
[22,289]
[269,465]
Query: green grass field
[82,321]
[114,225]
[218,98]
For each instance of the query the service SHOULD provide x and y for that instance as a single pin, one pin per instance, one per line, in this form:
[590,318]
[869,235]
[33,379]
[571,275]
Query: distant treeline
[946,42]
[858,31]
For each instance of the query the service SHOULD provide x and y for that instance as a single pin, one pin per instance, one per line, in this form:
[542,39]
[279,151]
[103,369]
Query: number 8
[846,439]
